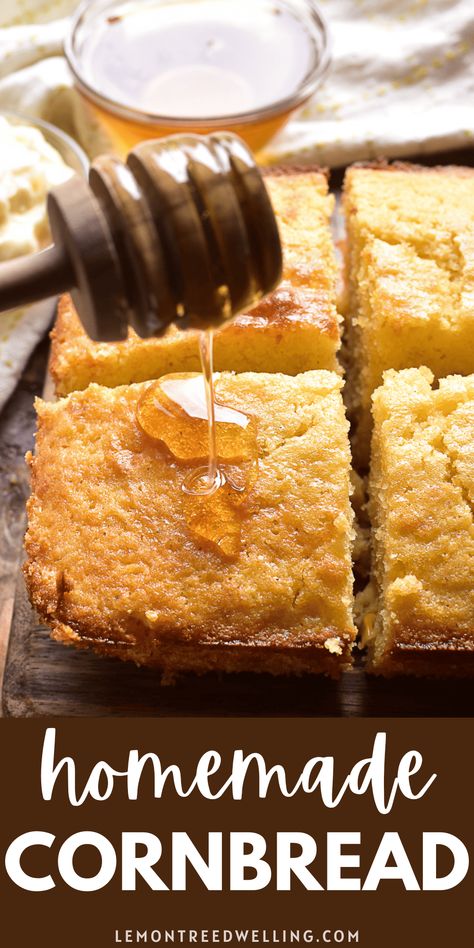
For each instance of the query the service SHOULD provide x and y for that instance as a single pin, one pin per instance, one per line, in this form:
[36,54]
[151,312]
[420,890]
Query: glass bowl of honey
[150,68]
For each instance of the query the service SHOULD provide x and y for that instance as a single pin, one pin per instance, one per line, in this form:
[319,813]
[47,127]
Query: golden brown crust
[285,171]
[177,656]
[428,653]
[296,330]
[384,164]
[192,649]
[61,335]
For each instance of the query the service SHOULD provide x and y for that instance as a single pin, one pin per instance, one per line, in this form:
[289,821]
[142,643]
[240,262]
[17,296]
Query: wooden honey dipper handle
[34,277]
[183,232]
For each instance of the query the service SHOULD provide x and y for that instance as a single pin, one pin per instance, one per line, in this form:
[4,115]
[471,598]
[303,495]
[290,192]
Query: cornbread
[421,506]
[410,275]
[293,330]
[112,566]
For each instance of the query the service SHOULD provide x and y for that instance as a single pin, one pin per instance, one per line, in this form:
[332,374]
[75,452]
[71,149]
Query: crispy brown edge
[172,655]
[189,649]
[63,310]
[384,164]
[282,171]
[435,653]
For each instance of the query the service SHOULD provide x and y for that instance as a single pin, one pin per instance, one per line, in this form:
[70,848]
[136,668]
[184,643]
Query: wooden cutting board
[45,678]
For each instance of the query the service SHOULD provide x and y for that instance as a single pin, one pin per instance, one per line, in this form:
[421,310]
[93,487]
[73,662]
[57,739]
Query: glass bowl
[127,122]
[40,314]
[71,153]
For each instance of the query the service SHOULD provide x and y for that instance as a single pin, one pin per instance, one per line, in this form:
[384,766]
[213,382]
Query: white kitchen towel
[401,81]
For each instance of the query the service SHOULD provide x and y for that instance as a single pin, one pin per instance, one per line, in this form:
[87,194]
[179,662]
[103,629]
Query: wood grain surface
[17,425]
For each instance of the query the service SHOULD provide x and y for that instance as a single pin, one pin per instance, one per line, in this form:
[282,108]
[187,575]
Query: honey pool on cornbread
[421,505]
[111,564]
[183,414]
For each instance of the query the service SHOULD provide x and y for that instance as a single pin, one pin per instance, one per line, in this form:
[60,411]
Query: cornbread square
[421,506]
[410,274]
[295,329]
[111,564]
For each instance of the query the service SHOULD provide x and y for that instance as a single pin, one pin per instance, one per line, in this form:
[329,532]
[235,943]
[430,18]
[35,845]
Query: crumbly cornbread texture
[410,274]
[422,505]
[112,566]
[295,329]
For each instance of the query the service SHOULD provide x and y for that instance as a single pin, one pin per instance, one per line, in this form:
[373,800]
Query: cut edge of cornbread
[65,429]
[295,329]
[417,612]
[384,164]
[371,289]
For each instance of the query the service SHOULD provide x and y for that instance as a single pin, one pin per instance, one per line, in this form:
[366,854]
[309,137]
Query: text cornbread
[295,329]
[410,274]
[111,564]
[421,505]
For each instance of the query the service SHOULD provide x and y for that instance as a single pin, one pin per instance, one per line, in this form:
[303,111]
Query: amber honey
[152,68]
[124,134]
[214,444]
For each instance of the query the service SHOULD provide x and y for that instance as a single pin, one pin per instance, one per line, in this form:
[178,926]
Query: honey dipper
[182,232]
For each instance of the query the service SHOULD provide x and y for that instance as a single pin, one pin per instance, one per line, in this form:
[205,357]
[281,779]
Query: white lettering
[185,851]
[336,861]
[288,864]
[132,864]
[391,847]
[241,860]
[13,865]
[431,843]
[66,861]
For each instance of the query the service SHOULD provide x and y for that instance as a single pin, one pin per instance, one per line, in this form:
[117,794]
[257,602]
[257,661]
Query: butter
[29,168]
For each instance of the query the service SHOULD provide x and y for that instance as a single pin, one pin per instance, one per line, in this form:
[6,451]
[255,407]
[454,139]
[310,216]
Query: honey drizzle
[207,481]
[206,351]
[194,429]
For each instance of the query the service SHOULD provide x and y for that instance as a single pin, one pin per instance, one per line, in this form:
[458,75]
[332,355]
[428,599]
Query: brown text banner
[236,831]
